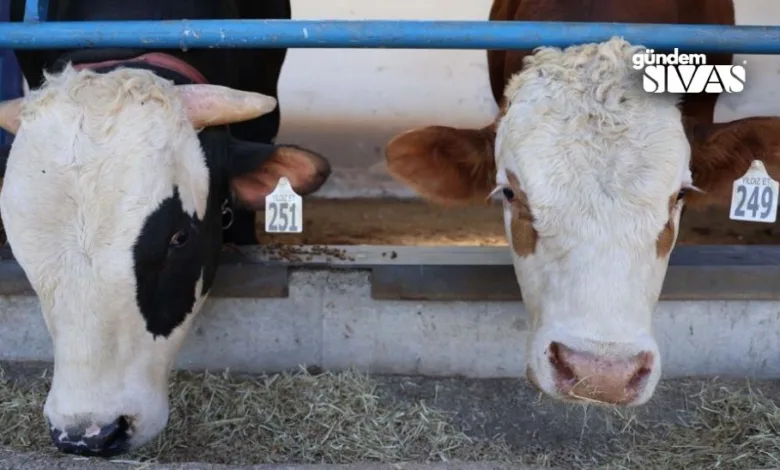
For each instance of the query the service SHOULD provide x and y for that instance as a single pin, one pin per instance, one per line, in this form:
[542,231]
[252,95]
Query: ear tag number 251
[754,196]
[283,209]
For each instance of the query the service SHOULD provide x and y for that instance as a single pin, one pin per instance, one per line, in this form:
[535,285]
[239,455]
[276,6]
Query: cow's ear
[445,165]
[722,152]
[254,170]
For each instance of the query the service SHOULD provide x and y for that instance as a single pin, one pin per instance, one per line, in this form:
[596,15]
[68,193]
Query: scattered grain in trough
[349,417]
[387,221]
[414,222]
[297,254]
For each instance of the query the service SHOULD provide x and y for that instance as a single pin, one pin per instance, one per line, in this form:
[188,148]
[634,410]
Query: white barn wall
[346,103]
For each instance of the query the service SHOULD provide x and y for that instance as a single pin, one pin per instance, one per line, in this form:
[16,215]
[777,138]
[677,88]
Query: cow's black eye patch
[168,264]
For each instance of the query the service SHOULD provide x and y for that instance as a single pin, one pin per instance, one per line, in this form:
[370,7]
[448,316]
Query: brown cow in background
[593,172]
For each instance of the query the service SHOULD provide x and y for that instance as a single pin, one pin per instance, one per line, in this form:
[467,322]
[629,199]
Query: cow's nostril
[645,361]
[563,372]
[117,439]
[94,440]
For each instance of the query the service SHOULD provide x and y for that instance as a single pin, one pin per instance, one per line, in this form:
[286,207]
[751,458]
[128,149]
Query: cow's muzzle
[93,440]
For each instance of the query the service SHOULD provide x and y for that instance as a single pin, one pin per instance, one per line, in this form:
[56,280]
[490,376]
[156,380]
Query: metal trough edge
[711,272]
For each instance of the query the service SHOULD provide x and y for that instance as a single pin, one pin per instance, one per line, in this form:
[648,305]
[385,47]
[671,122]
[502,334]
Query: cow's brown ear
[445,165]
[722,152]
[254,170]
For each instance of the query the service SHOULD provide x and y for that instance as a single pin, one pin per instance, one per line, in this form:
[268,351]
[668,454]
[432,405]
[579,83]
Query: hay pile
[346,418]
[728,429]
[287,418]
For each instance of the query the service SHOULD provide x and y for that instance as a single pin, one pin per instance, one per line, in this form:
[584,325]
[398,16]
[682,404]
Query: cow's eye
[179,239]
[508,194]
[682,194]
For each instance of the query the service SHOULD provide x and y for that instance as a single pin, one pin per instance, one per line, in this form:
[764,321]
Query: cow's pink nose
[606,379]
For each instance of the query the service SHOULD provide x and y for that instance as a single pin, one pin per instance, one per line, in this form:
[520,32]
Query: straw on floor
[286,418]
[343,418]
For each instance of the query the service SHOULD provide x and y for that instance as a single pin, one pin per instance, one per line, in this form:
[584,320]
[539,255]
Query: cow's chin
[611,373]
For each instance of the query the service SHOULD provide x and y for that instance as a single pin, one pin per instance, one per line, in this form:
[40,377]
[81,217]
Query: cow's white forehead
[589,145]
[125,131]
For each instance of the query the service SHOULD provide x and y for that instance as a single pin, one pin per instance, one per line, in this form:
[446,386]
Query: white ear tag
[754,196]
[283,209]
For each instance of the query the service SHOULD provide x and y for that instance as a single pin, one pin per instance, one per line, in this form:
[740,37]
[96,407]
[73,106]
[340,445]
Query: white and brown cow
[593,173]
[113,203]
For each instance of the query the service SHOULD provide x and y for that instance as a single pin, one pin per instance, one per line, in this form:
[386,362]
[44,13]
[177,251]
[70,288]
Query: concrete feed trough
[408,308]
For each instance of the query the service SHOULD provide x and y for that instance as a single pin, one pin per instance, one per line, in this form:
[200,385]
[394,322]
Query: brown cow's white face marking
[598,160]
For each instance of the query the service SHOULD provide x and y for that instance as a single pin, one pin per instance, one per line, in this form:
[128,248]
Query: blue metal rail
[405,34]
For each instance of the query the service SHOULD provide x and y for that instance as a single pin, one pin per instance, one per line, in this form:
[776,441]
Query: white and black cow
[112,203]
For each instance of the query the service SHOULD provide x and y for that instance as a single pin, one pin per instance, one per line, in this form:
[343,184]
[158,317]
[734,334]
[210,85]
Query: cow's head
[593,173]
[112,205]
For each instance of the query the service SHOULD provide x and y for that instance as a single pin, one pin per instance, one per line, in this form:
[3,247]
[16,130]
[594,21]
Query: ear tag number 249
[754,196]
[283,209]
